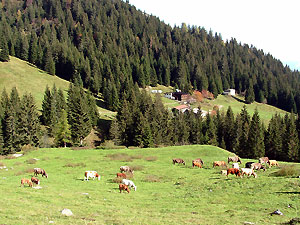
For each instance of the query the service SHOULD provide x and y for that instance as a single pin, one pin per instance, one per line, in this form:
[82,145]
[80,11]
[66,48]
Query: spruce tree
[46,107]
[229,130]
[274,138]
[291,140]
[62,132]
[4,52]
[250,97]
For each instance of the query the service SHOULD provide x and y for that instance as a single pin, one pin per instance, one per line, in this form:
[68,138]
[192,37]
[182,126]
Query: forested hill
[110,45]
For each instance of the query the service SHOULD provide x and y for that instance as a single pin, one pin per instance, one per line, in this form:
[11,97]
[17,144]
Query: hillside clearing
[166,193]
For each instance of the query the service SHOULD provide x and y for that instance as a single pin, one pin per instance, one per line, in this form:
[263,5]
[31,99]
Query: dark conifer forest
[111,49]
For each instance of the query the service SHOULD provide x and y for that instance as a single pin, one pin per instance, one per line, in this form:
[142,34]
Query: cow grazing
[37,171]
[198,164]
[126,169]
[248,164]
[273,163]
[219,163]
[235,165]
[198,160]
[91,174]
[129,183]
[26,181]
[248,172]
[123,187]
[179,161]
[234,159]
[123,175]
[263,160]
[258,166]
[34,180]
[234,171]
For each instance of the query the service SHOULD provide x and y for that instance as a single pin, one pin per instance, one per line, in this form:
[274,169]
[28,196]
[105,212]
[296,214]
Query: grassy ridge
[180,194]
[27,78]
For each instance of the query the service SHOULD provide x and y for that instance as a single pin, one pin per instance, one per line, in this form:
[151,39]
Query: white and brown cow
[91,174]
[37,171]
[126,169]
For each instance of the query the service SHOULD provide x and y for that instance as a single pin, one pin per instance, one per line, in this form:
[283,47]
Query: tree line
[146,123]
[68,120]
[109,45]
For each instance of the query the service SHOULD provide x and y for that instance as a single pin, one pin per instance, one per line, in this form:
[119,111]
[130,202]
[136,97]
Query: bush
[117,180]
[287,171]
[137,167]
[110,145]
[152,178]
[31,161]
[151,158]
[120,156]
[28,148]
[75,165]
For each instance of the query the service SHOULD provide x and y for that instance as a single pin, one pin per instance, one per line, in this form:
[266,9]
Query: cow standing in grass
[123,187]
[234,159]
[37,171]
[179,161]
[26,181]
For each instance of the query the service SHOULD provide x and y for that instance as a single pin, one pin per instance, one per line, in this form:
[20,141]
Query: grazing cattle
[198,160]
[235,165]
[234,159]
[197,163]
[273,163]
[179,161]
[91,174]
[224,172]
[249,172]
[37,171]
[26,181]
[123,187]
[248,164]
[258,166]
[34,180]
[219,163]
[129,183]
[126,169]
[123,175]
[263,160]
[234,171]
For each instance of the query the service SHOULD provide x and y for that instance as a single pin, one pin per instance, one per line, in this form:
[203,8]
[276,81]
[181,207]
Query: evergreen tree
[46,107]
[4,52]
[256,148]
[229,130]
[62,132]
[273,138]
[291,140]
[243,123]
[250,97]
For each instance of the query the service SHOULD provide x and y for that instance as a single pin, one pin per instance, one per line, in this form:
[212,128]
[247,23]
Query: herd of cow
[249,169]
[125,184]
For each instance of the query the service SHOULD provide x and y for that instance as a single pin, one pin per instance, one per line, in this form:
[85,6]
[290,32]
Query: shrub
[137,167]
[120,156]
[287,171]
[151,158]
[28,148]
[31,161]
[136,156]
[116,180]
[110,145]
[75,165]
[152,178]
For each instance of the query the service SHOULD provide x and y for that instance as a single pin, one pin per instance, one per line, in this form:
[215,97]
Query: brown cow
[273,163]
[37,171]
[234,159]
[219,163]
[263,160]
[34,180]
[197,163]
[258,166]
[123,187]
[123,175]
[198,160]
[179,161]
[126,169]
[26,181]
[234,171]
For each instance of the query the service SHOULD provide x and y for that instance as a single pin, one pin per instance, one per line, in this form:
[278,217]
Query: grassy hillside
[27,78]
[166,193]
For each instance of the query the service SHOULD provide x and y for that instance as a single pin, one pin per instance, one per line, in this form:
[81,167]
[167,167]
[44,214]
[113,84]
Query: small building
[229,92]
[169,95]
[156,91]
[181,108]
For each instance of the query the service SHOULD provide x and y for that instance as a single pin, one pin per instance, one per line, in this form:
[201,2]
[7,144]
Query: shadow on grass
[239,100]
[288,192]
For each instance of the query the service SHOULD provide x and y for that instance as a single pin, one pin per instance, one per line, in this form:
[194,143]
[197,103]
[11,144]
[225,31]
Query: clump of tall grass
[28,148]
[151,158]
[137,167]
[110,145]
[152,178]
[31,161]
[75,165]
[120,156]
[287,171]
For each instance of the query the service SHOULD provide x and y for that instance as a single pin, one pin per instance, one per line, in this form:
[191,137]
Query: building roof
[181,107]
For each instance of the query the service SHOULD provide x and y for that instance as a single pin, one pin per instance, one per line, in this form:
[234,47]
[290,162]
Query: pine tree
[229,130]
[48,62]
[250,97]
[274,138]
[46,107]
[256,148]
[114,132]
[62,132]
[4,52]
[291,140]
[210,133]
[243,123]
[33,49]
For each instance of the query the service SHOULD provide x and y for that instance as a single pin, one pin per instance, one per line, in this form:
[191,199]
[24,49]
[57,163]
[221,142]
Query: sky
[270,25]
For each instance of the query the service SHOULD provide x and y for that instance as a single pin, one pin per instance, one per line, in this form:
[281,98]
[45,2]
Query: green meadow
[166,193]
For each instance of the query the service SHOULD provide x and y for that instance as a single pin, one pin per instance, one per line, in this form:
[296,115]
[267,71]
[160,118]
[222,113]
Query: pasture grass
[166,193]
